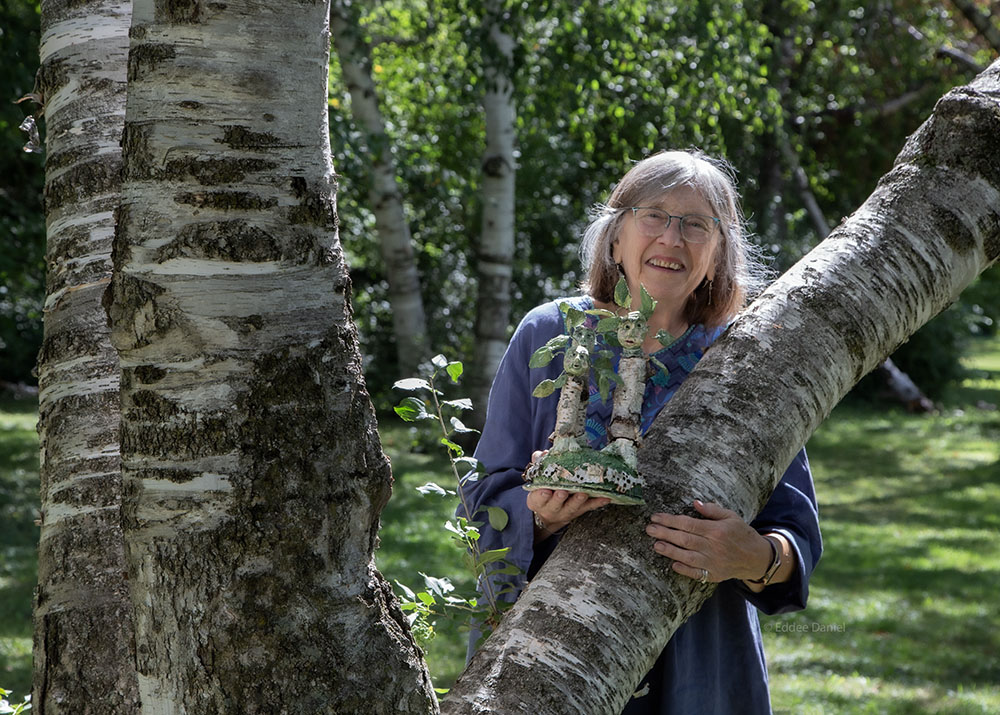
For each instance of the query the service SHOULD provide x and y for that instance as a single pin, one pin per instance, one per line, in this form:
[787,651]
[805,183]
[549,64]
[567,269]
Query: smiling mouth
[669,265]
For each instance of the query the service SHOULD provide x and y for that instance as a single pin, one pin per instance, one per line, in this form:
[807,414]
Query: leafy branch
[439,592]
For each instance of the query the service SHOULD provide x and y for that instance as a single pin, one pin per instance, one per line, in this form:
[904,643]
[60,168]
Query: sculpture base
[597,474]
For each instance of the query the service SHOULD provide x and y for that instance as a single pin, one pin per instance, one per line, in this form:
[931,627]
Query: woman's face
[668,267]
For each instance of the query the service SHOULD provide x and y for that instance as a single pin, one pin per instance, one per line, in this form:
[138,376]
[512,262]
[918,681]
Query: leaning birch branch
[597,615]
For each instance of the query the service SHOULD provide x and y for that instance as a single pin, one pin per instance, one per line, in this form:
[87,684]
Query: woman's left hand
[722,544]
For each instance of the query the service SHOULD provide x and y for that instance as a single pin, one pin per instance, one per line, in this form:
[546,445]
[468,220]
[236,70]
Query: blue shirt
[714,663]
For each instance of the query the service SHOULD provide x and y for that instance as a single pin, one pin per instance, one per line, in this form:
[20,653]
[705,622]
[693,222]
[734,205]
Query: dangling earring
[621,269]
[710,283]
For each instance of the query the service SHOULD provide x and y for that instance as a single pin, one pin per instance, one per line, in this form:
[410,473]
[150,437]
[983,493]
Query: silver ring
[704,576]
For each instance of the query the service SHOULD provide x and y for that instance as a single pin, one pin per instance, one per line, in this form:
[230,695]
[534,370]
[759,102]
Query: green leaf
[427,598]
[561,380]
[412,383]
[603,386]
[463,403]
[498,517]
[608,325]
[600,312]
[507,570]
[488,557]
[648,304]
[541,357]
[460,427]
[575,317]
[470,465]
[409,594]
[432,488]
[622,295]
[454,370]
[544,389]
[412,409]
[455,449]
[558,342]
[665,338]
[439,361]
[437,586]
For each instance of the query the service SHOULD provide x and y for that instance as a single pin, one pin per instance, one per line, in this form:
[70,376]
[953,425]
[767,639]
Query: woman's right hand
[556,508]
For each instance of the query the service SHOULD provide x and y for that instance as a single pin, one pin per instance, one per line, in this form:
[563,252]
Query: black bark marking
[102,175]
[226,200]
[144,58]
[240,137]
[315,208]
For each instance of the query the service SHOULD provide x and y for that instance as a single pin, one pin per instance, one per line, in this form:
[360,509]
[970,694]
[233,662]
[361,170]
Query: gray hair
[739,269]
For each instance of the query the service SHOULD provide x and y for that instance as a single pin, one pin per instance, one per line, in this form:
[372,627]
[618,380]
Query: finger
[676,553]
[693,572]
[581,503]
[679,522]
[711,510]
[538,498]
[682,539]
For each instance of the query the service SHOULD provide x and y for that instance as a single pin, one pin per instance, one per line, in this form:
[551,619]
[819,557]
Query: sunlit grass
[18,538]
[903,615]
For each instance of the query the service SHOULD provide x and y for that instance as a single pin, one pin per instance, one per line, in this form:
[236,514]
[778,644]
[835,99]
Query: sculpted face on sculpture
[632,330]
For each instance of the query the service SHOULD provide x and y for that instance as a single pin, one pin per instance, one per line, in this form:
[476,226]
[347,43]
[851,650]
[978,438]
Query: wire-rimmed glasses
[652,222]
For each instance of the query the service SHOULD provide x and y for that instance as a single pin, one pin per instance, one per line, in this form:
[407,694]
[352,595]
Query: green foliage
[600,85]
[18,538]
[440,596]
[22,223]
[6,707]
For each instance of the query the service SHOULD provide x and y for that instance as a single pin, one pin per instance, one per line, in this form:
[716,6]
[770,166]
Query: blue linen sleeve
[516,425]
[792,512]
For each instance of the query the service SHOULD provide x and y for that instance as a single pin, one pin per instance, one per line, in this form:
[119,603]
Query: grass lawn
[903,617]
[18,538]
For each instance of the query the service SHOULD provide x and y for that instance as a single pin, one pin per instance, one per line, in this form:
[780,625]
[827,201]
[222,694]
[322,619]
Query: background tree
[495,247]
[385,200]
[928,230]
[596,88]
[83,648]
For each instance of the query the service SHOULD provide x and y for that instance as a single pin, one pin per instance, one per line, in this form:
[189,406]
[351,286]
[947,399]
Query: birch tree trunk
[409,323]
[495,249]
[594,619]
[83,647]
[900,385]
[252,469]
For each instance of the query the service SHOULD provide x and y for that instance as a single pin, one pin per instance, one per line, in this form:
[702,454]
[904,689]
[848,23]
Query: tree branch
[598,614]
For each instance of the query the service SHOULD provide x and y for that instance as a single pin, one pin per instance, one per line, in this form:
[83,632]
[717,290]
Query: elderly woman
[672,225]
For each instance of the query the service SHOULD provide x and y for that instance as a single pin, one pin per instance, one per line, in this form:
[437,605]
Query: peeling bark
[83,647]
[597,615]
[253,473]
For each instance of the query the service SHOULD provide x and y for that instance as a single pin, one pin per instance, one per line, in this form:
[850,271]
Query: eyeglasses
[651,222]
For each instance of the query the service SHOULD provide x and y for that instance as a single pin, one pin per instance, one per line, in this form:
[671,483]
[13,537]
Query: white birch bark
[409,323]
[253,473]
[83,648]
[903,389]
[595,618]
[495,248]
